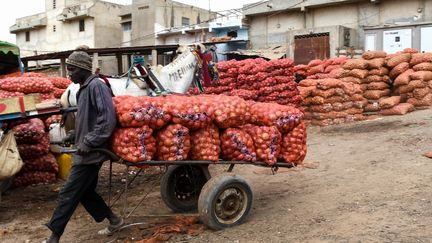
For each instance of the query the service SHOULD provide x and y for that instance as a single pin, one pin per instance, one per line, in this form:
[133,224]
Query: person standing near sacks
[94,124]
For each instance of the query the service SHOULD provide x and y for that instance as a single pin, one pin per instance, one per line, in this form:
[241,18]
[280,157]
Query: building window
[81,25]
[27,33]
[185,21]
[143,7]
[54,28]
[127,26]
[54,4]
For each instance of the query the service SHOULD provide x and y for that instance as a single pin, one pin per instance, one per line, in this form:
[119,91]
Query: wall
[107,29]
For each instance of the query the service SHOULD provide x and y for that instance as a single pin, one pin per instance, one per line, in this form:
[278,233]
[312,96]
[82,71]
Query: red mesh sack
[266,142]
[30,132]
[376,94]
[425,101]
[27,85]
[58,92]
[134,144]
[359,73]
[377,86]
[192,112]
[422,75]
[230,111]
[205,143]
[351,80]
[138,111]
[173,143]
[34,178]
[47,163]
[52,119]
[376,63]
[294,147]
[7,94]
[421,92]
[60,82]
[285,118]
[237,145]
[31,151]
[308,82]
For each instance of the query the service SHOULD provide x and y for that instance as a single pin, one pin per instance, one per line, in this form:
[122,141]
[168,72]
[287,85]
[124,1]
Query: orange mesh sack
[134,144]
[374,54]
[237,145]
[422,75]
[425,101]
[404,78]
[397,59]
[400,109]
[389,102]
[400,68]
[294,147]
[424,66]
[377,86]
[229,111]
[376,63]
[173,143]
[266,141]
[420,93]
[205,143]
[355,64]
[418,58]
[376,94]
[379,71]
[359,73]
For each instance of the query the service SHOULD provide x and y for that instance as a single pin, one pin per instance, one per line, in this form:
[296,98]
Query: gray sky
[14,9]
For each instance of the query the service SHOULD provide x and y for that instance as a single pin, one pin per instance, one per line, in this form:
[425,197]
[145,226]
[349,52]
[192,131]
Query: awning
[6,47]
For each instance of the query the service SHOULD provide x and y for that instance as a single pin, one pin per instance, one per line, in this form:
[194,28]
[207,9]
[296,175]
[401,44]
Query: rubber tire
[168,187]
[210,193]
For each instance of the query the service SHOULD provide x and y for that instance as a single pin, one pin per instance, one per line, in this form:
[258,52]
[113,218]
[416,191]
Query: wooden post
[95,62]
[154,57]
[119,63]
[63,67]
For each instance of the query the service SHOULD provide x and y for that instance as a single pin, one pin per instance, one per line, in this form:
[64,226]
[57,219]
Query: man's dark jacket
[95,120]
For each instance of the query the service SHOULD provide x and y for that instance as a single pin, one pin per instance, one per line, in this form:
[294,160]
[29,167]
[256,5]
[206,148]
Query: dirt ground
[372,184]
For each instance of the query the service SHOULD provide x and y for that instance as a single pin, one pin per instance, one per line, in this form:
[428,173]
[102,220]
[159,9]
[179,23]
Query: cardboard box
[18,104]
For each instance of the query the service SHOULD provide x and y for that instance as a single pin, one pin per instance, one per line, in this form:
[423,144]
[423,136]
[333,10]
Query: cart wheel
[181,186]
[225,201]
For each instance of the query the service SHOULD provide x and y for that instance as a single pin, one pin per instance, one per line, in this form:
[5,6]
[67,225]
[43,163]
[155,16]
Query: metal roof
[6,47]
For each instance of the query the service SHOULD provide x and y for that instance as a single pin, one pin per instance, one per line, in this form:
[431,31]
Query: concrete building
[318,28]
[66,24]
[160,22]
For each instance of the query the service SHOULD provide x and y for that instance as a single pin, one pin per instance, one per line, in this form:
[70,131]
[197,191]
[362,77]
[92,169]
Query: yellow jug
[65,163]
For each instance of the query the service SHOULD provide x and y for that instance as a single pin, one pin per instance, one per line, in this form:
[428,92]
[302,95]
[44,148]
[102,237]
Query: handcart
[222,201]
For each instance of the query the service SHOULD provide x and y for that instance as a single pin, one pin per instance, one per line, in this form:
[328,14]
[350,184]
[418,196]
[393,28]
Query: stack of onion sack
[40,166]
[28,85]
[331,101]
[258,80]
[376,84]
[320,69]
[413,85]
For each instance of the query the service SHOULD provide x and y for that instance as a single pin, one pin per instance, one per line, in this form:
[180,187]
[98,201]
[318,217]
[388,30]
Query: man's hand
[82,149]
[70,137]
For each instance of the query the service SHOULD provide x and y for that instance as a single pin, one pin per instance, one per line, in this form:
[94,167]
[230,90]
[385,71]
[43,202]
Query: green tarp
[6,47]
